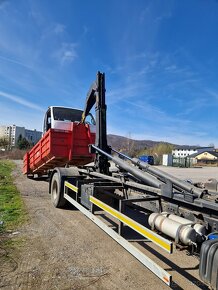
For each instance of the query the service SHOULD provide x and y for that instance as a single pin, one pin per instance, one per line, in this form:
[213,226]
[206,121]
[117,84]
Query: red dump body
[60,147]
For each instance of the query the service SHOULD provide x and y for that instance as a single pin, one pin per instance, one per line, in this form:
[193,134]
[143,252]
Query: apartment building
[33,136]
[12,133]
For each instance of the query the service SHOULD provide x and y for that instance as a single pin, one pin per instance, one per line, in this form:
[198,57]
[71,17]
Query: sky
[160,59]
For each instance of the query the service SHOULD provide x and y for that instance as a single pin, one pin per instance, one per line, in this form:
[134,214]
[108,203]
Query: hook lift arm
[96,95]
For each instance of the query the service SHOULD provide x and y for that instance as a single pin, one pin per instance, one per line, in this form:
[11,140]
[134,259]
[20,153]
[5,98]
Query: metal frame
[130,201]
[146,261]
[145,232]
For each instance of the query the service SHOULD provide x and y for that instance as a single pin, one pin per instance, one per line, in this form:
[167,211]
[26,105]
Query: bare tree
[129,145]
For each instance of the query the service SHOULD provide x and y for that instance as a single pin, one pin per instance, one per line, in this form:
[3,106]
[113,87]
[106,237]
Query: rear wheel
[57,194]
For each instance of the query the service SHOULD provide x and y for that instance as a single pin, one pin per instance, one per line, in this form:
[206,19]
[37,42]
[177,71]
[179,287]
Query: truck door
[47,121]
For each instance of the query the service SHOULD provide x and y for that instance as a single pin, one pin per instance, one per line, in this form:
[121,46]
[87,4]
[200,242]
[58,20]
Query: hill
[124,143]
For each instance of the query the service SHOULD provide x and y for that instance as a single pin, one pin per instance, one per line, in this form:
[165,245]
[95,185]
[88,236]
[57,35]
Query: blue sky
[160,58]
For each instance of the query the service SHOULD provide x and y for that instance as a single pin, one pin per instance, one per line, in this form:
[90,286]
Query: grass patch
[15,243]
[12,210]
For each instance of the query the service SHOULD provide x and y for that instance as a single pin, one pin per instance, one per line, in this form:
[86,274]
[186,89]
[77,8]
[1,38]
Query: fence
[182,162]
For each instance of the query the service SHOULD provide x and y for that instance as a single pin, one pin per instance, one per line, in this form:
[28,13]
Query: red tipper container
[60,147]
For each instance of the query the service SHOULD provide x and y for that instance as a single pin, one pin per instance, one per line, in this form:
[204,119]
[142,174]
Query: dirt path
[65,250]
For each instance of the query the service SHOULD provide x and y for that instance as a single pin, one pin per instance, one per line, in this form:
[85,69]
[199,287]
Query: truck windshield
[71,115]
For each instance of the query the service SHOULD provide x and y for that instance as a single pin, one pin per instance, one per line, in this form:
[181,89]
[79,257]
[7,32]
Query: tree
[157,151]
[22,143]
[4,142]
[128,146]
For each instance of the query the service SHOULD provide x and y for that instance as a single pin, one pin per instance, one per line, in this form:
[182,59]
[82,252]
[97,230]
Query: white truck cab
[61,118]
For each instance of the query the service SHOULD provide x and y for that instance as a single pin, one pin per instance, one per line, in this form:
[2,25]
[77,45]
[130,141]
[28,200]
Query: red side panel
[58,148]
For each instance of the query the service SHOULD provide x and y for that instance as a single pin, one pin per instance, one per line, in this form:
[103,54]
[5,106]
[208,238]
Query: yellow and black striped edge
[155,238]
[71,186]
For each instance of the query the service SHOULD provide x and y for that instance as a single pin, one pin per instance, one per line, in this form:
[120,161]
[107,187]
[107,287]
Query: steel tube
[128,183]
[143,176]
[180,183]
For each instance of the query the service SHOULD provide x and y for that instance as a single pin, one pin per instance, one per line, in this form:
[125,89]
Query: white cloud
[14,61]
[163,17]
[20,101]
[126,92]
[213,94]
[66,54]
[59,28]
[52,32]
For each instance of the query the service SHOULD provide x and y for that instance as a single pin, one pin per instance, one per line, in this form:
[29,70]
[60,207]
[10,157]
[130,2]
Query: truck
[85,171]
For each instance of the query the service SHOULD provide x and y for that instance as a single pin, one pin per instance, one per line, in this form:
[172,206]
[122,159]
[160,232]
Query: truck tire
[57,194]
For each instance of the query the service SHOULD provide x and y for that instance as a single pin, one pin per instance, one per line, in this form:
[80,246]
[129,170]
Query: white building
[185,151]
[12,133]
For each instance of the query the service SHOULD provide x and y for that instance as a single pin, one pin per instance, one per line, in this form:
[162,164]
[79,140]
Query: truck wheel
[57,197]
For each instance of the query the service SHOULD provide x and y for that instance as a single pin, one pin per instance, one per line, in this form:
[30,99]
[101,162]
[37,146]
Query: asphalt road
[196,174]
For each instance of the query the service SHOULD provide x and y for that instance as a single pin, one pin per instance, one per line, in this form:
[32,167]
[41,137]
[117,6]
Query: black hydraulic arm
[96,95]
[90,101]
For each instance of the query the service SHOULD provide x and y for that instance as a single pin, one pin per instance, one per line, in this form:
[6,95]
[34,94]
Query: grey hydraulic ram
[155,171]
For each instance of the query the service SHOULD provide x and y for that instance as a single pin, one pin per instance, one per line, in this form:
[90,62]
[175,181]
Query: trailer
[180,214]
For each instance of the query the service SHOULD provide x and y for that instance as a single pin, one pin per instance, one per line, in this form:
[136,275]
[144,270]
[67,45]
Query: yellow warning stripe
[71,186]
[163,243]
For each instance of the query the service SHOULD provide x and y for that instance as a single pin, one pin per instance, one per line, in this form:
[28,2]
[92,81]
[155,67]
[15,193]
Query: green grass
[12,210]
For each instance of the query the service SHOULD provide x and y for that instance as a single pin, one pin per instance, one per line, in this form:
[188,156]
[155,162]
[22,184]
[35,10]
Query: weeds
[12,210]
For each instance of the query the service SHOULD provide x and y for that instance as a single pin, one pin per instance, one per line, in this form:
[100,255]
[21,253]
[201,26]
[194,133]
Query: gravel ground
[62,249]
[198,174]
